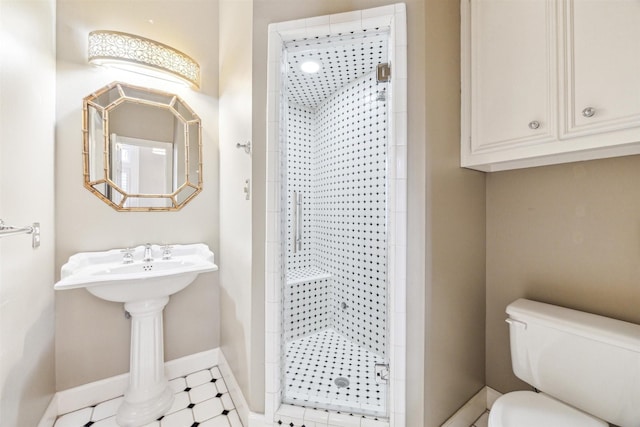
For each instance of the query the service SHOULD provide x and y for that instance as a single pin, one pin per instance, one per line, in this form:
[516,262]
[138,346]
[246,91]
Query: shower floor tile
[201,400]
[315,362]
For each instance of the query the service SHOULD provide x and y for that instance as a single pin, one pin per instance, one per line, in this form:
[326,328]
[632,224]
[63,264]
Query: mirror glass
[142,148]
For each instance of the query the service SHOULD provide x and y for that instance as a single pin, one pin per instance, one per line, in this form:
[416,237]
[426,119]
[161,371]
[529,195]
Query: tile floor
[201,400]
[314,362]
[483,421]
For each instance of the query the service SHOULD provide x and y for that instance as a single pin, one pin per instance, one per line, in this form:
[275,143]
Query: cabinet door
[602,56]
[513,73]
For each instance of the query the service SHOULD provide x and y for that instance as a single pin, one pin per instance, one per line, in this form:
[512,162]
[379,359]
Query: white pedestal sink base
[142,413]
[144,286]
[148,396]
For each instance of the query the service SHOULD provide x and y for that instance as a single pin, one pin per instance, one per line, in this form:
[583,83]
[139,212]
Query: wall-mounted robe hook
[246,146]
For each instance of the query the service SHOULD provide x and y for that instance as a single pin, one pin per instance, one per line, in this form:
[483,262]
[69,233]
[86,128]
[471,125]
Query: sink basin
[144,287]
[106,276]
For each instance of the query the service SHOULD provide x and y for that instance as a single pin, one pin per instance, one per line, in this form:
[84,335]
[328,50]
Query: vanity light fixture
[142,55]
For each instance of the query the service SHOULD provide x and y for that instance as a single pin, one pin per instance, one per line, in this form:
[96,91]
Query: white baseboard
[248,418]
[109,388]
[256,420]
[492,396]
[50,414]
[234,389]
[473,409]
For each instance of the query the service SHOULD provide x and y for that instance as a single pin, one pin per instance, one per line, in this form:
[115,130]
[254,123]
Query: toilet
[586,367]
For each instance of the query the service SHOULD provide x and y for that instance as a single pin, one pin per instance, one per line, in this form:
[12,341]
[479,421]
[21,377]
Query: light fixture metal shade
[123,48]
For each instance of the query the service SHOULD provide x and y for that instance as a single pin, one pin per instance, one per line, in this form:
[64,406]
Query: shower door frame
[392,17]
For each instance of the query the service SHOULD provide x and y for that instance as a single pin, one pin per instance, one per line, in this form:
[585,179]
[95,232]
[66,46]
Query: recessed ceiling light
[310,66]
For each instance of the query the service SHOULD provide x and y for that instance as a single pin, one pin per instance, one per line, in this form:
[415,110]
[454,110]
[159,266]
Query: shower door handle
[297,222]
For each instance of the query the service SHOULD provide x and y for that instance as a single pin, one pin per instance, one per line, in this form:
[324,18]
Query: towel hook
[246,146]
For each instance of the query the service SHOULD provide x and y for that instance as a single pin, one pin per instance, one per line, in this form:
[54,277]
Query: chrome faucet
[127,258]
[166,252]
[148,256]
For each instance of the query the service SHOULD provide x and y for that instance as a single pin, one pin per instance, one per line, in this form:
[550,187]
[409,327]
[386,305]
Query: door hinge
[382,373]
[383,72]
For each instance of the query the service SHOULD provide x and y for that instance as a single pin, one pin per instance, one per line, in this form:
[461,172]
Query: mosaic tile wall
[336,156]
[306,308]
[299,179]
[350,208]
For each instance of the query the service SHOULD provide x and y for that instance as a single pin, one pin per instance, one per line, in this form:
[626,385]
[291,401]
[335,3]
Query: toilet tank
[588,361]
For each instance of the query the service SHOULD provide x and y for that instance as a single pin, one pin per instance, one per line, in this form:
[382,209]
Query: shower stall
[337,189]
[335,192]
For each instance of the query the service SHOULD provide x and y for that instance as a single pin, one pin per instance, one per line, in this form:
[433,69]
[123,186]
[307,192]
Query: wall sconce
[135,53]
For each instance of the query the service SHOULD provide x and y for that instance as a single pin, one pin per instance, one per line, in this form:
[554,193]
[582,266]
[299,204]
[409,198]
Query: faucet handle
[148,253]
[166,252]
[127,258]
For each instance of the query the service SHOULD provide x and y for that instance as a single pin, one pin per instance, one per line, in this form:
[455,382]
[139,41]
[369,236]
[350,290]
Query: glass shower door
[335,192]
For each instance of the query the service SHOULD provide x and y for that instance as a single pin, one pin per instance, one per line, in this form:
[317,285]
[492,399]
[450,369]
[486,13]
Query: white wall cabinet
[549,81]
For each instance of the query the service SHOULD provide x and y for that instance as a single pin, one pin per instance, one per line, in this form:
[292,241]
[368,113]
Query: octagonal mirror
[142,148]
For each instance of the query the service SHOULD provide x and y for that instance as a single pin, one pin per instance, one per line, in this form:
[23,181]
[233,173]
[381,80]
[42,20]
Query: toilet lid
[529,409]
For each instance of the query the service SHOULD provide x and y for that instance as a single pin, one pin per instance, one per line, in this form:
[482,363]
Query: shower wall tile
[317,26]
[299,180]
[400,64]
[400,36]
[400,95]
[400,128]
[401,164]
[343,420]
[306,308]
[317,31]
[347,17]
[318,20]
[316,416]
[377,12]
[337,159]
[272,378]
[273,318]
[365,422]
[350,184]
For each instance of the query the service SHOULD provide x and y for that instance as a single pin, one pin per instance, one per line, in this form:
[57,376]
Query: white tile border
[95,392]
[300,416]
[473,409]
[395,17]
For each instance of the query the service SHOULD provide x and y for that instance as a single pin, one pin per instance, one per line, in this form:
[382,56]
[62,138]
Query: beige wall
[455,256]
[567,235]
[92,336]
[27,85]
[240,306]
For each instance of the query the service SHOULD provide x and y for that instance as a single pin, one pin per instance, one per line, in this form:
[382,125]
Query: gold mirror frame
[118,115]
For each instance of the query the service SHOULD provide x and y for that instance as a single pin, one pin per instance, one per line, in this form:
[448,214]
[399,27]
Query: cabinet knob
[589,112]
[534,124]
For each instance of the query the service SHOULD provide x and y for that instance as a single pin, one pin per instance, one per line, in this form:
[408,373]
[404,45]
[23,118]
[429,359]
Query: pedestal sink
[142,278]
